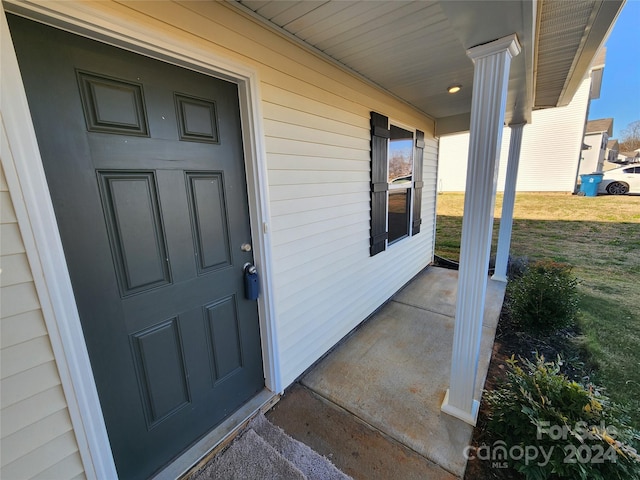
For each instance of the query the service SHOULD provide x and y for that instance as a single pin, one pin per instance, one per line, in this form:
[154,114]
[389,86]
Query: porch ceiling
[416,49]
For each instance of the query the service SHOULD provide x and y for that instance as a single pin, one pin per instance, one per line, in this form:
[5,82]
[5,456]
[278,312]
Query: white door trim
[28,187]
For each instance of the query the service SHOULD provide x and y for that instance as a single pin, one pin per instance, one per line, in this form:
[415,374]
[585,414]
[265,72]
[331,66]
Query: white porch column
[490,81]
[508,202]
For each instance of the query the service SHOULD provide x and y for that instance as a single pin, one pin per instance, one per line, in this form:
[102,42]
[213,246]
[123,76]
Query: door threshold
[190,459]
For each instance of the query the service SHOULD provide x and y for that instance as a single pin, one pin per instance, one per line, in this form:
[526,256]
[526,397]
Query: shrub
[562,428]
[516,267]
[544,298]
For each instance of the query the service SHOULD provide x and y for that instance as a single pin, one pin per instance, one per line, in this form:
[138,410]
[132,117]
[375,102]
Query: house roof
[416,49]
[600,125]
[613,144]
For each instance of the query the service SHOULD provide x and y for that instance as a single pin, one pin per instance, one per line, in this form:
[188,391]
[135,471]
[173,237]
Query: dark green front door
[145,167]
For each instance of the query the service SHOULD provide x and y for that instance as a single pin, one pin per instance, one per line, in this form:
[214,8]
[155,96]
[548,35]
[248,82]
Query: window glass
[400,156]
[400,182]
[398,214]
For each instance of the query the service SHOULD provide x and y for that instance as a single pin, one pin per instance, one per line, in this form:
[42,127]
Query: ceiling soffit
[416,49]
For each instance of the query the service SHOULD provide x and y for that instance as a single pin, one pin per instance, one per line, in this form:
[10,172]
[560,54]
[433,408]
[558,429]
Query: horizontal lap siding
[549,159]
[325,280]
[37,440]
[316,126]
[591,156]
[549,153]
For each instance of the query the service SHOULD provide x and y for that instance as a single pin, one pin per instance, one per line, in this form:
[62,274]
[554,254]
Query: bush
[516,267]
[544,298]
[546,426]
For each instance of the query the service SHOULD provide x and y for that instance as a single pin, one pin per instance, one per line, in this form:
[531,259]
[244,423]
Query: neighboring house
[153,152]
[551,145]
[629,157]
[596,136]
[613,148]
[550,150]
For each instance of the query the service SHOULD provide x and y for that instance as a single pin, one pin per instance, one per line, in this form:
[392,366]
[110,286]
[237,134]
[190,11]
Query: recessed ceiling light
[454,88]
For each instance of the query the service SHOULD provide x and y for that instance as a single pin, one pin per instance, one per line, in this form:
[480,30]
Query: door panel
[208,220]
[161,370]
[112,105]
[145,168]
[137,235]
[197,119]
[224,338]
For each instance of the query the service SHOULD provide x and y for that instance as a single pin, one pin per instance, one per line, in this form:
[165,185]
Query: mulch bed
[510,340]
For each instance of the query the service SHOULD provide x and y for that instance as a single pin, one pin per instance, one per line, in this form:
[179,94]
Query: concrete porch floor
[372,405]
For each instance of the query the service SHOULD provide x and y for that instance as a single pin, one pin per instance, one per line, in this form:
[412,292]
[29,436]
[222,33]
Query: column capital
[507,44]
[517,125]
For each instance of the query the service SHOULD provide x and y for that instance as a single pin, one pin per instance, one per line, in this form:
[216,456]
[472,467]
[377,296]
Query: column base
[467,417]
[499,278]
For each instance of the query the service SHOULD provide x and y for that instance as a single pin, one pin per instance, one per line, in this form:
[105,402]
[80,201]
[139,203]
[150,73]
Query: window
[400,180]
[396,182]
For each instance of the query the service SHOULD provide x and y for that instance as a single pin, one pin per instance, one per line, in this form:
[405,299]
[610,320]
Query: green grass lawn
[600,237]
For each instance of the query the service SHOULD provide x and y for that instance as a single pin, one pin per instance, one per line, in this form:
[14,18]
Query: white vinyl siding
[549,154]
[37,440]
[317,134]
[592,158]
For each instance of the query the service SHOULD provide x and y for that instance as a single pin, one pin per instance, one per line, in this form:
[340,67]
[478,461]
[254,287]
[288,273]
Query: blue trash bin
[589,184]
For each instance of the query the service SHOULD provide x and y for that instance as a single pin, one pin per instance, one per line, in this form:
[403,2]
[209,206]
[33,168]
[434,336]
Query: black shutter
[379,181]
[417,184]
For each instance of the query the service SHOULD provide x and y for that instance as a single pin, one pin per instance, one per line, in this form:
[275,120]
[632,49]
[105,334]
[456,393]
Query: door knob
[245,247]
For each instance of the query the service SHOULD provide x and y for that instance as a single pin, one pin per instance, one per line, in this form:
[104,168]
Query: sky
[620,93]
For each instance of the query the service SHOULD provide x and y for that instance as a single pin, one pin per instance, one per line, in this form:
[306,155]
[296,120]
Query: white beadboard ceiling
[416,49]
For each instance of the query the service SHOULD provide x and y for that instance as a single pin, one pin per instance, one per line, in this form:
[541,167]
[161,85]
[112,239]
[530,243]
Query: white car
[620,181]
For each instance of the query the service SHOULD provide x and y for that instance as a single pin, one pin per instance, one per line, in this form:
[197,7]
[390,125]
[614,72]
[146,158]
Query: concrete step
[249,456]
[355,447]
[311,464]
[264,451]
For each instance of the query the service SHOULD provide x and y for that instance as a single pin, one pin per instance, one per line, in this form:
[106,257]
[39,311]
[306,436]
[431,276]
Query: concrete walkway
[373,404]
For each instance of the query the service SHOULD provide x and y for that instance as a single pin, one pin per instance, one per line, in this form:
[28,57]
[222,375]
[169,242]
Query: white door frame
[27,183]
